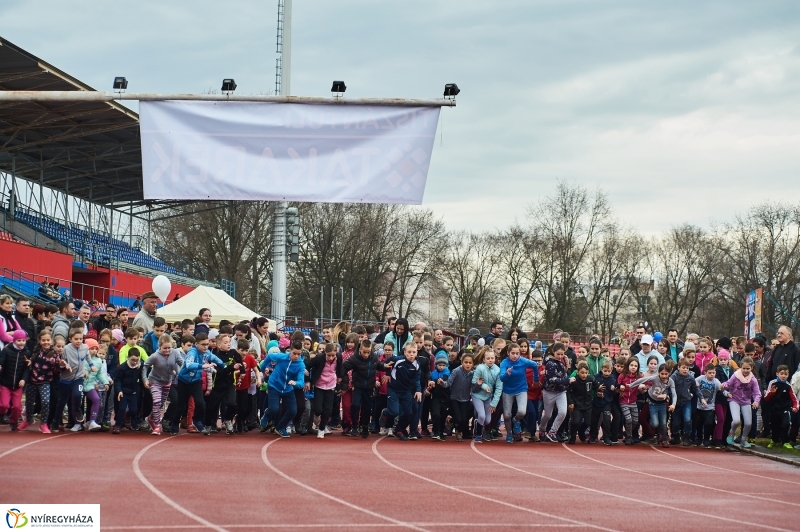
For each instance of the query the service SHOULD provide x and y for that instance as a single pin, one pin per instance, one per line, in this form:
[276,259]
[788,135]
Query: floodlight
[451,90]
[120,83]
[228,86]
[338,87]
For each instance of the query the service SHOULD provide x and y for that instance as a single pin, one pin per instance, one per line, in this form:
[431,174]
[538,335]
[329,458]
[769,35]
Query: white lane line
[158,493]
[34,442]
[481,497]
[403,524]
[708,515]
[592,490]
[770,479]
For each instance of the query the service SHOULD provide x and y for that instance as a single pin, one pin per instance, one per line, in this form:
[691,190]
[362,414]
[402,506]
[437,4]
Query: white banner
[193,150]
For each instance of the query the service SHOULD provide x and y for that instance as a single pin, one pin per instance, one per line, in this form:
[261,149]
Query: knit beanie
[118,335]
[19,334]
[724,353]
[725,343]
[441,356]
[91,343]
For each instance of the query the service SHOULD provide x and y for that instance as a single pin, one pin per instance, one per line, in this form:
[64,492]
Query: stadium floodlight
[338,88]
[451,90]
[120,83]
[228,86]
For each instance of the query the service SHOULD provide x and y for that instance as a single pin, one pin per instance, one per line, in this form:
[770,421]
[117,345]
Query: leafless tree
[469,269]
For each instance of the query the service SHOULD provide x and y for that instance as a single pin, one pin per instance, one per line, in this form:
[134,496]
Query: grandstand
[71,200]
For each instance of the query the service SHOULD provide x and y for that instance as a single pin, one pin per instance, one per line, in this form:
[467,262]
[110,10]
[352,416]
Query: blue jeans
[289,405]
[533,414]
[416,414]
[658,419]
[70,394]
[682,415]
[400,404]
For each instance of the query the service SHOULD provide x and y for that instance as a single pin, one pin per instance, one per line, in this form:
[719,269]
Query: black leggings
[244,405]
[461,412]
[323,406]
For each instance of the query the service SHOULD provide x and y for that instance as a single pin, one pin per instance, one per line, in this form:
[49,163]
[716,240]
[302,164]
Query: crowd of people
[74,373]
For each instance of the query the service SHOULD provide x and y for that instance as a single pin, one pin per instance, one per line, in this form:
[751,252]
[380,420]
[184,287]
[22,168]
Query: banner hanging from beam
[197,150]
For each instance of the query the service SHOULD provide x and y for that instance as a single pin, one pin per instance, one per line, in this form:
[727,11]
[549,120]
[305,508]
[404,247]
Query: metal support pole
[341,304]
[332,307]
[321,305]
[351,303]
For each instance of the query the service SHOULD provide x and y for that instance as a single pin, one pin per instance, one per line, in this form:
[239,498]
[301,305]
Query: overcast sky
[681,111]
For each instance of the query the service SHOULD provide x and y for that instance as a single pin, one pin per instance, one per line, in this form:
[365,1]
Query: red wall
[138,285]
[24,258]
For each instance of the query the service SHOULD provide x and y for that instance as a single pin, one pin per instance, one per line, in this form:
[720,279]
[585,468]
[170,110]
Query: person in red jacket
[535,402]
[627,397]
[247,379]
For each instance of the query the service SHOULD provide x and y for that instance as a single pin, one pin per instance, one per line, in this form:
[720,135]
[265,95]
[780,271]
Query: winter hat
[274,350]
[213,333]
[118,335]
[725,343]
[19,334]
[724,353]
[91,343]
[271,344]
[689,345]
[92,334]
[441,356]
[284,342]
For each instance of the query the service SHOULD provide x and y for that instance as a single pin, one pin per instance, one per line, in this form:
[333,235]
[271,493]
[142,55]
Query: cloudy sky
[681,111]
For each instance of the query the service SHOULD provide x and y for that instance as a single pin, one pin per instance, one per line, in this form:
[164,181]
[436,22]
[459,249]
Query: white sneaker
[77,427]
[383,432]
[94,426]
[327,430]
[321,434]
[290,429]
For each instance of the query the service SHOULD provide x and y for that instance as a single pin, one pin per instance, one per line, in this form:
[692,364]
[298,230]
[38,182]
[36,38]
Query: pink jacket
[701,359]
[4,336]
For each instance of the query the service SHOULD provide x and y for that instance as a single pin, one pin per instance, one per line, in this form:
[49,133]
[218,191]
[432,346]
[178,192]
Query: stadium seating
[97,248]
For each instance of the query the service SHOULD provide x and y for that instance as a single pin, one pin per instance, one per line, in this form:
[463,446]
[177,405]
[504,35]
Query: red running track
[257,482]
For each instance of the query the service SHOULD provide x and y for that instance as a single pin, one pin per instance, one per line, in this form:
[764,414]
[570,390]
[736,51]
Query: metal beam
[69,135]
[97,96]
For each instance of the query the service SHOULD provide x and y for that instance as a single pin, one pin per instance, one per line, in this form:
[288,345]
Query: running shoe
[478,439]
[22,425]
[44,428]
[771,444]
[115,430]
[729,440]
[607,441]
[283,433]
[413,436]
[383,432]
[192,429]
[321,434]
[436,437]
[150,423]
[94,427]
[459,437]
[787,445]
[552,437]
[510,439]
[401,436]
[228,427]
[327,430]
[156,431]
[77,427]
[746,444]
[13,427]
[516,427]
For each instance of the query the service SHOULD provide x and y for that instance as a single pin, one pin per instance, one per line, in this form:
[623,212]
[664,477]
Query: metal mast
[283,83]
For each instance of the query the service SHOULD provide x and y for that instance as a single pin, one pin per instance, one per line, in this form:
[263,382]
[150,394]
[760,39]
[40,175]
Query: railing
[181,264]
[29,283]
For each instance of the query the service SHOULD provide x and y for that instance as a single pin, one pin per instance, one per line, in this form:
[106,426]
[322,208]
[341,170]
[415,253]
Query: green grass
[764,441]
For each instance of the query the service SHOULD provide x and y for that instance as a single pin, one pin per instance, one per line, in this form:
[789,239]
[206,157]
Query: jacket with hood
[364,371]
[783,398]
[492,386]
[44,367]
[284,370]
[399,341]
[556,378]
[723,374]
[127,378]
[516,382]
[579,393]
[460,384]
[608,395]
[317,364]
[743,390]
[160,368]
[15,366]
[628,395]
[74,360]
[150,343]
[94,377]
[192,368]
[60,327]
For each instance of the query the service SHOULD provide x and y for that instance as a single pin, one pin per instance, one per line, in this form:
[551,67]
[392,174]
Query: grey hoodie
[163,368]
[60,327]
[74,359]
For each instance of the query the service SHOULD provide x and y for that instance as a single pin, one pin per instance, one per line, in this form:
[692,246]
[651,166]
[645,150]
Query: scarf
[744,380]
[11,322]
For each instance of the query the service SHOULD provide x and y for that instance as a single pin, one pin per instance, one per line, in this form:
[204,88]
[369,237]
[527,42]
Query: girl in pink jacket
[743,397]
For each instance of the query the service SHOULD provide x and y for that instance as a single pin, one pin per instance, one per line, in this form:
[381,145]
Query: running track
[257,482]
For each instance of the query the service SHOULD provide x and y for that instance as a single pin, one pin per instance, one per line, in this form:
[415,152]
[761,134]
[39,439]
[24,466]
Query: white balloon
[162,287]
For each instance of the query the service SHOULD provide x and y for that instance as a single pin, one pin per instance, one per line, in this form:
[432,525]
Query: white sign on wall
[202,150]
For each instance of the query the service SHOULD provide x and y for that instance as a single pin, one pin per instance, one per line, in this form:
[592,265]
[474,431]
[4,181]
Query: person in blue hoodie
[198,359]
[439,393]
[287,375]
[515,389]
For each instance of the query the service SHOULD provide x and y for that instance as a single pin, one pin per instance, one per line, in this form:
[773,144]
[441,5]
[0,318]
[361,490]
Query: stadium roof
[89,150]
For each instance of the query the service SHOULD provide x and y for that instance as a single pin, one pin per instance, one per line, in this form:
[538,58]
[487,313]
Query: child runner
[783,403]
[157,373]
[70,391]
[126,388]
[195,363]
[96,380]
[487,388]
[579,401]
[14,373]
[627,397]
[248,378]
[363,367]
[707,388]
[534,396]
[350,343]
[383,391]
[515,389]
[439,394]
[686,390]
[554,392]
[403,389]
[323,376]
[460,384]
[44,368]
[287,376]
[605,388]
[744,398]
[722,374]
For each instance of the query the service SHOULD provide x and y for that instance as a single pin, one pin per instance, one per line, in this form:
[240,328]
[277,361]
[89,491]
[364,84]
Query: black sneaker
[571,440]
[364,432]
[607,441]
[413,436]
[401,436]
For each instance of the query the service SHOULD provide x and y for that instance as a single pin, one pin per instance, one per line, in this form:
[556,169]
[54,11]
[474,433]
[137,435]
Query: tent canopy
[222,306]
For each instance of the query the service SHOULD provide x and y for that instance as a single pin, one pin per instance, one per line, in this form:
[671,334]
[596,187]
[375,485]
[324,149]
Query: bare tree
[520,270]
[469,271]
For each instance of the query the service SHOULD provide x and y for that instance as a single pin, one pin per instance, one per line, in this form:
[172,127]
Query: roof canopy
[222,306]
[90,150]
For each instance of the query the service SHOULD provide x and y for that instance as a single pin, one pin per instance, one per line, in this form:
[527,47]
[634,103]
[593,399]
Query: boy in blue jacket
[440,394]
[515,389]
[286,376]
[605,387]
[404,388]
[189,382]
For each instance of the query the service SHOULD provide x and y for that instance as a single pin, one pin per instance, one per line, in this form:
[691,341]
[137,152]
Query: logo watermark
[52,516]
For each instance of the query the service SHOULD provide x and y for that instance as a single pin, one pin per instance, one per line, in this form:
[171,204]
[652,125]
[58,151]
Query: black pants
[145,402]
[336,414]
[439,414]
[300,399]
[323,406]
[579,422]
[220,399]
[244,405]
[426,412]
[616,421]
[173,405]
[361,406]
[195,391]
[706,420]
[462,412]
[601,418]
[780,421]
[766,418]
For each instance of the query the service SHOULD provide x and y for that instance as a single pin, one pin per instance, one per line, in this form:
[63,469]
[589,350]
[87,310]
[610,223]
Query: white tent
[222,306]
